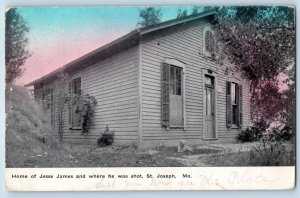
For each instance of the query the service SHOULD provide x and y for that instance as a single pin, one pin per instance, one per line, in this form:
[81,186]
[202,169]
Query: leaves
[149,16]
[260,41]
[88,104]
[16,42]
[181,13]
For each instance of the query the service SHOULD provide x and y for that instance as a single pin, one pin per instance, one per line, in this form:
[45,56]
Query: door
[209,110]
[176,97]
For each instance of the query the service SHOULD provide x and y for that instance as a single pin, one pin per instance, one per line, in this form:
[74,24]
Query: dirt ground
[128,156]
[93,156]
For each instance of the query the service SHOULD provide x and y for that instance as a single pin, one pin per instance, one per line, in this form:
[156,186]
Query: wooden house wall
[114,84]
[184,43]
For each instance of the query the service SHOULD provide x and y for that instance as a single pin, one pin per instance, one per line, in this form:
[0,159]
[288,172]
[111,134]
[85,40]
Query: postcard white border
[178,178]
[117,2]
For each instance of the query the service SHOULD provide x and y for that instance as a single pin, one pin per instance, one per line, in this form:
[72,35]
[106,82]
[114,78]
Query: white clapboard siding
[114,83]
[184,43]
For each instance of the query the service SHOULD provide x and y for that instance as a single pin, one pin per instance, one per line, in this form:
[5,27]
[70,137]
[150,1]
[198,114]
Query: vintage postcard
[105,98]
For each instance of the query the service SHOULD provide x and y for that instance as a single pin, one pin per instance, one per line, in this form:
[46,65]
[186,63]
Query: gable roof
[124,42]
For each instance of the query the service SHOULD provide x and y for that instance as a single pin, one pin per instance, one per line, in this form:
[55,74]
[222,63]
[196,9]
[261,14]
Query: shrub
[88,108]
[246,135]
[106,139]
[253,133]
[284,134]
[271,152]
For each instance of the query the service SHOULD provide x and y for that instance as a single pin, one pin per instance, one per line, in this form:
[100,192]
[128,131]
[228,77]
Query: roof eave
[137,32]
[92,53]
[176,22]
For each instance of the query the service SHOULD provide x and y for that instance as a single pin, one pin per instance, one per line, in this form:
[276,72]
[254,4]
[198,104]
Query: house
[158,84]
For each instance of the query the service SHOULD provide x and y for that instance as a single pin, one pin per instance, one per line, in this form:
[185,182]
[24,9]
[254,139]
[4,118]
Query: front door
[176,97]
[209,110]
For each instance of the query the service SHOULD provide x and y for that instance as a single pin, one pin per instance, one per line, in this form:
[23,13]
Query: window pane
[175,80]
[172,88]
[178,74]
[234,113]
[172,73]
[208,101]
[77,86]
[233,93]
[178,88]
[209,41]
[178,81]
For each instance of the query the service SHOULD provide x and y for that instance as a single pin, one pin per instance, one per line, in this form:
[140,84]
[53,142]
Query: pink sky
[59,35]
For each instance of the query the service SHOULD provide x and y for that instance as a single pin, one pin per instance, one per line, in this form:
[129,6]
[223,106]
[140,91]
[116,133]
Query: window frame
[180,64]
[215,93]
[205,51]
[235,103]
[239,104]
[50,104]
[71,102]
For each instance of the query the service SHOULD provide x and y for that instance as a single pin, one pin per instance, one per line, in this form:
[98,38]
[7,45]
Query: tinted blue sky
[59,35]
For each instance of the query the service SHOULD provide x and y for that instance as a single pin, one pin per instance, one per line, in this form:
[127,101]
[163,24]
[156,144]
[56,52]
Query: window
[209,42]
[50,103]
[175,82]
[172,96]
[209,99]
[75,105]
[77,86]
[234,105]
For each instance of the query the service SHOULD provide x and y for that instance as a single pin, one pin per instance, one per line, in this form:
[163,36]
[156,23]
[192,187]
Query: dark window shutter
[228,105]
[237,113]
[70,104]
[240,106]
[165,95]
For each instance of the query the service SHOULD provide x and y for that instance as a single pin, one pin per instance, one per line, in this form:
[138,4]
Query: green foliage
[16,42]
[88,108]
[284,134]
[253,133]
[260,41]
[107,138]
[199,9]
[268,102]
[290,94]
[181,13]
[149,16]
[271,152]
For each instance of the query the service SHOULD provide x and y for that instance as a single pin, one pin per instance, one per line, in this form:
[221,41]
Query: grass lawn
[92,156]
[247,158]
[128,156]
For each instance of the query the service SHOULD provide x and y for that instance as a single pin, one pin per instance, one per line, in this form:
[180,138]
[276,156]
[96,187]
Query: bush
[284,134]
[246,135]
[271,152]
[106,139]
[253,133]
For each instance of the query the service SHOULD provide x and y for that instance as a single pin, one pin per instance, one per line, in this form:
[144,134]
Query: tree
[181,13]
[261,42]
[16,42]
[198,9]
[149,16]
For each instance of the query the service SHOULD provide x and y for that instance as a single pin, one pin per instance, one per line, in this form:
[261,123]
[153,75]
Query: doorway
[209,108]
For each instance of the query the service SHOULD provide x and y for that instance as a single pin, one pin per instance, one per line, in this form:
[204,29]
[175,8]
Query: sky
[59,35]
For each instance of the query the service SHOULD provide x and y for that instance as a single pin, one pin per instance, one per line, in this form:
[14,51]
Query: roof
[117,45]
